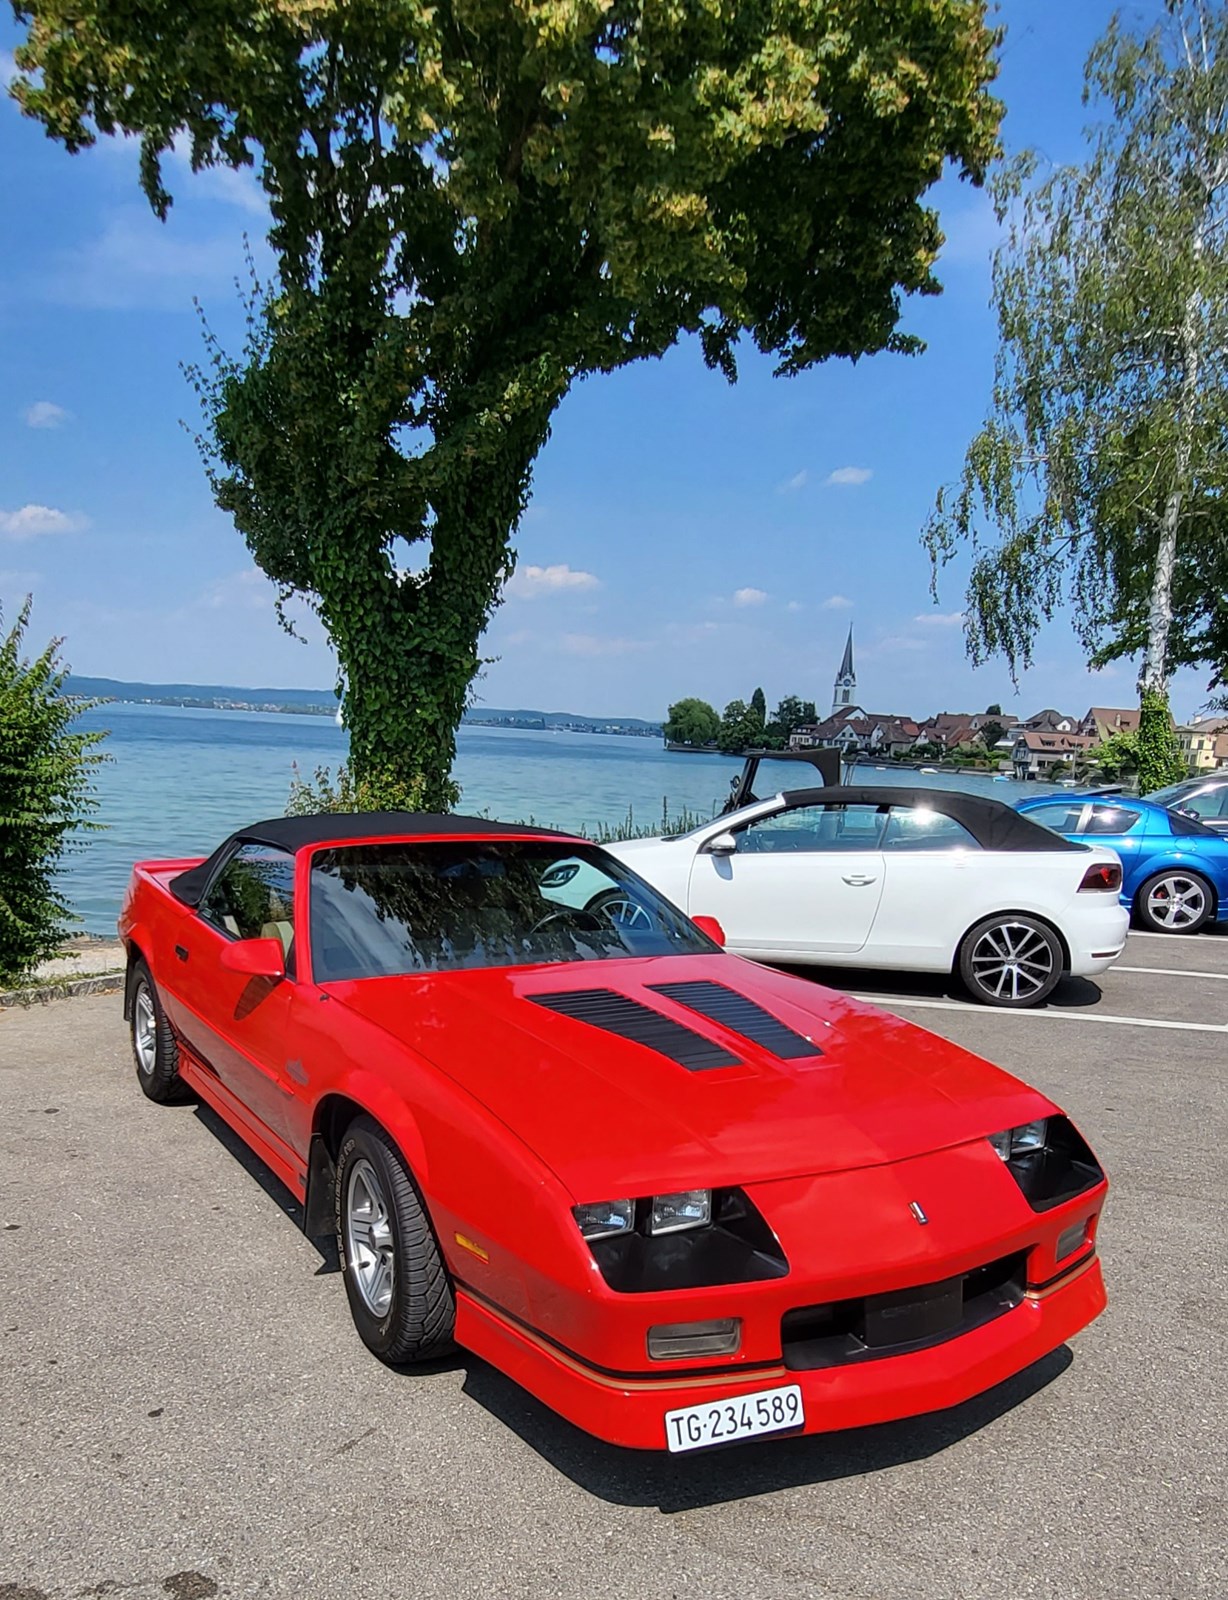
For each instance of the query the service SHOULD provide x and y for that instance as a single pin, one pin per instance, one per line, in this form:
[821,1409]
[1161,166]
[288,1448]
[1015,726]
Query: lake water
[180,779]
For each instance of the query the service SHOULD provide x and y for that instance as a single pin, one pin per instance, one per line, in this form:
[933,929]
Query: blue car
[1174,868]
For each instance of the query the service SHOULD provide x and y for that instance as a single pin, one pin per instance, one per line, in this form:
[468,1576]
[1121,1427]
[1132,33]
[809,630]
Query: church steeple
[846,679]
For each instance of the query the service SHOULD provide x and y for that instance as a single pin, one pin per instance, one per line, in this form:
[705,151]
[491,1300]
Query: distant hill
[324,701]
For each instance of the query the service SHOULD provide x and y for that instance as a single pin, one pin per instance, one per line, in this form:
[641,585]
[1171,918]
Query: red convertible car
[679,1197]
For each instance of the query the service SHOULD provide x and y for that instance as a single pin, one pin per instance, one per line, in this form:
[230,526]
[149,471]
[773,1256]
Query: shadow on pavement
[1071,993]
[738,1472]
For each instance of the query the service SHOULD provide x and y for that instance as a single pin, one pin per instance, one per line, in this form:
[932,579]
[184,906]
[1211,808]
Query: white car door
[935,878]
[805,880]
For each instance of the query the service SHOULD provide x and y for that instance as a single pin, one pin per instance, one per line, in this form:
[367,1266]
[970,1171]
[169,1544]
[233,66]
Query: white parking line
[889,1000]
[1175,972]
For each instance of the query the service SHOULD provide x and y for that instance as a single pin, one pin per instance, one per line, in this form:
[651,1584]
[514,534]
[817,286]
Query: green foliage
[475,205]
[349,791]
[741,728]
[994,710]
[46,797]
[1114,758]
[666,826]
[1159,750]
[692,721]
[758,704]
[790,714]
[991,732]
[1098,480]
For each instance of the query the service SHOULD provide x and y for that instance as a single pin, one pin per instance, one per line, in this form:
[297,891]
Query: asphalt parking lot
[187,1412]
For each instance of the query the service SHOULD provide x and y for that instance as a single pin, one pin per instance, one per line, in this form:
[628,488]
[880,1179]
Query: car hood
[611,1116]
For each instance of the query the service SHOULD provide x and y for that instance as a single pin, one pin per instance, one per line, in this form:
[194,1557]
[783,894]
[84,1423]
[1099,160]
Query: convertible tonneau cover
[298,833]
[992,824]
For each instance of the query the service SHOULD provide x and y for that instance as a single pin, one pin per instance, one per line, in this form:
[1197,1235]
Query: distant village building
[1102,722]
[1204,743]
[846,679]
[1035,754]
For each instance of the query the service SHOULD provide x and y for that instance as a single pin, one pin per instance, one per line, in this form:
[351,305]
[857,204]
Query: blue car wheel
[1175,901]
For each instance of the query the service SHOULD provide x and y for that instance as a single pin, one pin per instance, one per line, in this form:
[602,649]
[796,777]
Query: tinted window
[915,828]
[1190,827]
[252,896]
[1211,804]
[1109,819]
[382,909]
[810,828]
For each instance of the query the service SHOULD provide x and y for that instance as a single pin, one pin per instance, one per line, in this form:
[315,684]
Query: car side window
[1210,804]
[252,897]
[1062,816]
[917,828]
[808,829]
[1109,819]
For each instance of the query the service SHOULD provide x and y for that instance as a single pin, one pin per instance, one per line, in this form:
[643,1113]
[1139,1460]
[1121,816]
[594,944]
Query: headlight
[1017,1141]
[1049,1159]
[689,1208]
[605,1218]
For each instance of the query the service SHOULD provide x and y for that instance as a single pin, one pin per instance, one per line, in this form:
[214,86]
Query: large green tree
[475,204]
[692,721]
[1097,482]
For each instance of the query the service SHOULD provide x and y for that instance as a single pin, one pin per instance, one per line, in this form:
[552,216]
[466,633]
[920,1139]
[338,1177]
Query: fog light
[1074,1238]
[674,1340]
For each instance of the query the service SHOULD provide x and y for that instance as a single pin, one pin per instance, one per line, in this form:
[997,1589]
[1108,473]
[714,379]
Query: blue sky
[684,536]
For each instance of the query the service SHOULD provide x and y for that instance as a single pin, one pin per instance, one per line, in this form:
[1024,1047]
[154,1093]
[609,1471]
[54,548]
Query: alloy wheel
[145,1030]
[1012,961]
[1177,902]
[370,1246]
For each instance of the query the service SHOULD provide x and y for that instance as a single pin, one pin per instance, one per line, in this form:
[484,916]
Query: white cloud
[528,583]
[8,68]
[848,477]
[837,602]
[248,590]
[233,186]
[797,481]
[46,414]
[795,605]
[940,619]
[32,521]
[750,597]
[139,263]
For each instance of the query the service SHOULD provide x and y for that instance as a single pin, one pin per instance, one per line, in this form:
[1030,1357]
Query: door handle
[181,952]
[859,879]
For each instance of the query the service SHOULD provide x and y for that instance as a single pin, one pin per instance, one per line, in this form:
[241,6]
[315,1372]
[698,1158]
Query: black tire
[1011,961]
[419,1319]
[1188,894]
[154,1050]
[609,903]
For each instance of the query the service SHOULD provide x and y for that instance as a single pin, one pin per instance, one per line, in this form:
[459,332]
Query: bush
[46,796]
[347,792]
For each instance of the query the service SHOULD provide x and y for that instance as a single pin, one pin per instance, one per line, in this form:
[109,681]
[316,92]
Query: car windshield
[1175,791]
[378,910]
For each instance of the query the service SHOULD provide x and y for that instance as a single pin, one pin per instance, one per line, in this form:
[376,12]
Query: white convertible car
[919,880]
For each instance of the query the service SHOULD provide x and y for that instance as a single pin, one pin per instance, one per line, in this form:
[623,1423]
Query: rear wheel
[1174,902]
[618,907]
[1011,960]
[398,1287]
[154,1049]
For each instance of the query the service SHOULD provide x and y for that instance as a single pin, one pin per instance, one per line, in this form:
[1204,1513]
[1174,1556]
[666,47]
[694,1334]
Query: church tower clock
[846,679]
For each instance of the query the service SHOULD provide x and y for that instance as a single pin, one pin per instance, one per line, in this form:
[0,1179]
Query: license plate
[719,1421]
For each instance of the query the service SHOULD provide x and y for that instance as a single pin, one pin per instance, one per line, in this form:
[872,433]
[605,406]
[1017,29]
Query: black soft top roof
[992,824]
[300,833]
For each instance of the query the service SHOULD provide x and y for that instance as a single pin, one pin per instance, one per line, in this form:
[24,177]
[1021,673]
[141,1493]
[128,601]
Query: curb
[69,989]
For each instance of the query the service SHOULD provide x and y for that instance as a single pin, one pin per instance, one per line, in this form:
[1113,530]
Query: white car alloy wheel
[1011,961]
[1175,902]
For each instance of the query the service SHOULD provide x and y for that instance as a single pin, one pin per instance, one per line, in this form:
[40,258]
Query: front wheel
[154,1048]
[1174,902]
[1011,961]
[397,1285]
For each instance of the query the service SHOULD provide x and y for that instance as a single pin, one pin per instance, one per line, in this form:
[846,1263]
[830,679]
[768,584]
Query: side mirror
[721,844]
[255,958]
[712,928]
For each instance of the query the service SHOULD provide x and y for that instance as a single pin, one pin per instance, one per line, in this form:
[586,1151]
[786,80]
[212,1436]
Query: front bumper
[631,1412]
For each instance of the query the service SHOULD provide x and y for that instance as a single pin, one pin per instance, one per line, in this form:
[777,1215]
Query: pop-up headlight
[1049,1159]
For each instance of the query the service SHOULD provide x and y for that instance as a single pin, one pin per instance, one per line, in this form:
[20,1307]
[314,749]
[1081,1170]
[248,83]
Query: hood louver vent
[739,1014]
[615,1013]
